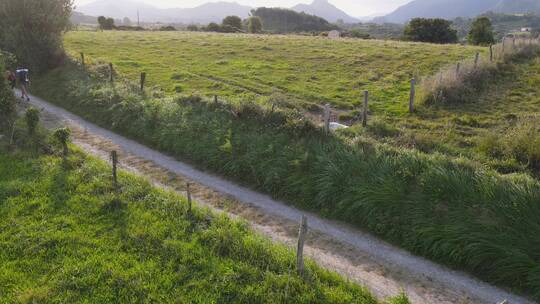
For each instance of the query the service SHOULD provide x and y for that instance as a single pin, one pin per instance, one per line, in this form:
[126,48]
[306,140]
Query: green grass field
[66,237]
[435,182]
[309,69]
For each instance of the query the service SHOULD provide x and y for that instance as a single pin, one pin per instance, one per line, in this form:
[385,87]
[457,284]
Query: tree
[32,30]
[105,23]
[233,21]
[254,25]
[481,32]
[7,102]
[193,28]
[279,20]
[213,27]
[126,21]
[430,30]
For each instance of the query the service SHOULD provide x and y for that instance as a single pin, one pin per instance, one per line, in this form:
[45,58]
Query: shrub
[232,22]
[105,23]
[430,30]
[7,101]
[481,32]
[32,30]
[31,117]
[254,25]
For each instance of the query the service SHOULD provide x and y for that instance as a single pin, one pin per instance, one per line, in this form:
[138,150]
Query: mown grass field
[67,237]
[309,69]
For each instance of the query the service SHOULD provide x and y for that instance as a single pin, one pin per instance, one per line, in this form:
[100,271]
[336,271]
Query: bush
[481,32]
[32,30]
[7,101]
[254,25]
[168,28]
[430,30]
[234,23]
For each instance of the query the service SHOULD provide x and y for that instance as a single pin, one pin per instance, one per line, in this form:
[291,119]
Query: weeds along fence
[466,80]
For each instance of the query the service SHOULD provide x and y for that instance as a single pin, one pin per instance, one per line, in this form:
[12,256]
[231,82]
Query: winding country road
[384,269]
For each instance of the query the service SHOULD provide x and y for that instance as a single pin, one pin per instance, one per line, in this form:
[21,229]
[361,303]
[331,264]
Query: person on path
[11,78]
[22,75]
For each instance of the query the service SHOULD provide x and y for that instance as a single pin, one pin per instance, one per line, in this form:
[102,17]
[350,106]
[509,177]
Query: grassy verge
[67,237]
[454,212]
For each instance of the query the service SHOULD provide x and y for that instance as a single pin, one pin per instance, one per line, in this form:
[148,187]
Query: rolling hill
[450,9]
[326,10]
[209,12]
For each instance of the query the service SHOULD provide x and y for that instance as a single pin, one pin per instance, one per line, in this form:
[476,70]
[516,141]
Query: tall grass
[465,81]
[68,237]
[450,211]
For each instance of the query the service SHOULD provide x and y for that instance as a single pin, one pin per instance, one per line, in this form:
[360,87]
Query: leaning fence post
[476,60]
[300,249]
[114,158]
[491,53]
[188,192]
[503,46]
[82,59]
[143,79]
[111,72]
[327,118]
[514,43]
[365,110]
[412,96]
[458,67]
[215,99]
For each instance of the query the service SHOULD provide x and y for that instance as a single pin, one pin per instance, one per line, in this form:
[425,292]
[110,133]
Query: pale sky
[355,8]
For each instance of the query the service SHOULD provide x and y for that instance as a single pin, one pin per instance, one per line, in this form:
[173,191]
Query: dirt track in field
[384,269]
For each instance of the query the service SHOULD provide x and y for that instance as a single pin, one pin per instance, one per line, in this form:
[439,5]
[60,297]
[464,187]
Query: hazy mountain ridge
[450,9]
[208,12]
[326,10]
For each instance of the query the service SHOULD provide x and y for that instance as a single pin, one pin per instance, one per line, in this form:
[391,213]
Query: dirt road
[384,269]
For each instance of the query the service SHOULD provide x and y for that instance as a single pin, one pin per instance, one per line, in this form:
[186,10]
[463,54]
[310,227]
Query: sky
[355,8]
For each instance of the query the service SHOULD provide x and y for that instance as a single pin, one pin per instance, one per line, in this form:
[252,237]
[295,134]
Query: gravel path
[424,281]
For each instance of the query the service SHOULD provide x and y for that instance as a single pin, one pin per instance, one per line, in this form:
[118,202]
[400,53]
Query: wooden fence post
[111,72]
[365,110]
[143,79]
[215,99]
[300,249]
[503,47]
[82,59]
[491,53]
[327,118]
[458,67]
[412,96]
[114,158]
[188,192]
[514,43]
[476,58]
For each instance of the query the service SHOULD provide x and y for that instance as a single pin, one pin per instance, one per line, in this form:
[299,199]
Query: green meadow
[67,237]
[235,66]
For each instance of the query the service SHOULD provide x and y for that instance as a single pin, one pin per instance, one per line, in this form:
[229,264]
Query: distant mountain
[326,10]
[450,9]
[209,12]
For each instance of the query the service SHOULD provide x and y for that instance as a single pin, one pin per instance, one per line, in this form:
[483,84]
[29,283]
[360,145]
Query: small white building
[526,29]
[334,34]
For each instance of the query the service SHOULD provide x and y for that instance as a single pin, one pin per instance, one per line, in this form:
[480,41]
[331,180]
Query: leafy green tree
[193,28]
[481,32]
[254,25]
[7,102]
[233,21]
[213,27]
[105,23]
[279,20]
[32,30]
[430,30]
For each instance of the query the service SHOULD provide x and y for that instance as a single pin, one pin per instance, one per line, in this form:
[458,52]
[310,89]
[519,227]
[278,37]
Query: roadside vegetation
[450,209]
[67,235]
